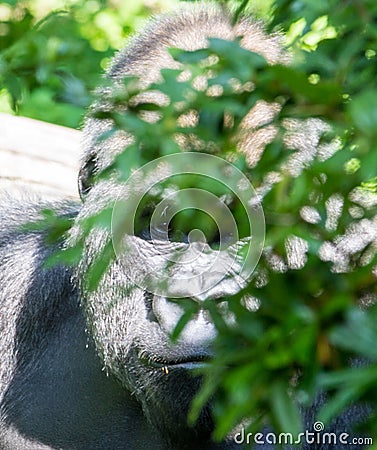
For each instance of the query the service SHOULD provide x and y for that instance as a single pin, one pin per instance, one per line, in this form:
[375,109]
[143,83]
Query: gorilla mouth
[188,363]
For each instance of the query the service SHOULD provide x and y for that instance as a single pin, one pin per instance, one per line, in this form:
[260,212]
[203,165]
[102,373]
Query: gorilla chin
[160,389]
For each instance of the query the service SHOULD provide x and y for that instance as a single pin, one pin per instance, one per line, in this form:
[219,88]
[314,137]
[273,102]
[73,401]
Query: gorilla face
[130,325]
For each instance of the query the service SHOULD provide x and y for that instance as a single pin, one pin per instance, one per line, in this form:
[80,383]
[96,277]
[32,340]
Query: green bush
[52,57]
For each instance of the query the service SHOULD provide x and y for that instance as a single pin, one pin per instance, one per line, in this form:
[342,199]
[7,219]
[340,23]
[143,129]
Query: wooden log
[38,158]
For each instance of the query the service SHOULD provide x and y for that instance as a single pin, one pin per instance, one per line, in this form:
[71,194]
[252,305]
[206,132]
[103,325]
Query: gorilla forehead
[188,29]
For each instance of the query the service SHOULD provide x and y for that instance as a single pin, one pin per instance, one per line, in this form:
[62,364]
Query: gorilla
[95,369]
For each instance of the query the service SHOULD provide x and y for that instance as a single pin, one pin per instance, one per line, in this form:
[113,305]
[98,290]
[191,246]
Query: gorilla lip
[191,363]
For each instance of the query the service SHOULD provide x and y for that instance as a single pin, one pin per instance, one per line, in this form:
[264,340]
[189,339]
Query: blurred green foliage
[309,321]
[52,54]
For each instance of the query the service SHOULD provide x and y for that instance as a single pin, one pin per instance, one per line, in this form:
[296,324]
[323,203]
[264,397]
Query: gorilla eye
[178,226]
[162,232]
[86,176]
[145,229]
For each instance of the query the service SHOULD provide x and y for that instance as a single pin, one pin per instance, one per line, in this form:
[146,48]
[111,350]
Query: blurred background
[53,53]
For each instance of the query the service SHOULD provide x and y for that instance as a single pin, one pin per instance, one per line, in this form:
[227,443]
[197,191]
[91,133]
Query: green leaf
[99,267]
[188,57]
[190,308]
[70,256]
[338,403]
[14,86]
[363,112]
[284,409]
[358,334]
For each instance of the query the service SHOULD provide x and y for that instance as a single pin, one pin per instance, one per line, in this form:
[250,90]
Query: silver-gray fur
[97,371]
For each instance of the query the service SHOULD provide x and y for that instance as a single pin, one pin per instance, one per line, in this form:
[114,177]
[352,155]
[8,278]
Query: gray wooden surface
[38,157]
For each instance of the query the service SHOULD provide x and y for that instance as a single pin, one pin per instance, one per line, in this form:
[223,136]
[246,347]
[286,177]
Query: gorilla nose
[200,330]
